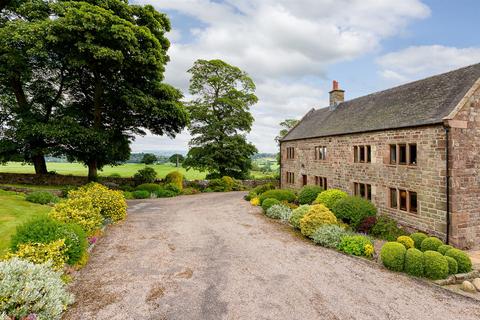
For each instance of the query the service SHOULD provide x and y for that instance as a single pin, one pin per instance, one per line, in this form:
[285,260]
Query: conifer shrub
[316,216]
[279,194]
[308,194]
[176,178]
[463,259]
[267,203]
[436,265]
[414,262]
[41,197]
[392,255]
[444,248]
[406,241]
[431,243]
[452,265]
[297,215]
[353,210]
[418,238]
[329,197]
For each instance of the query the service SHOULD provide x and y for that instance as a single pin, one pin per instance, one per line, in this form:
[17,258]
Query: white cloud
[281,44]
[418,62]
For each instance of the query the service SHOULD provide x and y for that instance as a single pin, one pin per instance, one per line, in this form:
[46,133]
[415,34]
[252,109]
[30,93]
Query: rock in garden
[476,283]
[468,286]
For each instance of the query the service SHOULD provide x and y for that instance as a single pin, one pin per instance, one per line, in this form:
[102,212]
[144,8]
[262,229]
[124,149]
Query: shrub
[263,188]
[39,253]
[145,175]
[176,178]
[173,188]
[46,296]
[414,262]
[386,228]
[279,194]
[66,190]
[367,224]
[267,203]
[357,245]
[329,235]
[111,203]
[128,195]
[436,265]
[251,194]
[189,191]
[44,229]
[353,210]
[255,201]
[41,197]
[418,237]
[297,215]
[150,187]
[406,241]
[308,194]
[279,211]
[329,197]
[431,243]
[115,175]
[141,194]
[452,265]
[164,193]
[79,211]
[392,255]
[316,216]
[444,248]
[463,260]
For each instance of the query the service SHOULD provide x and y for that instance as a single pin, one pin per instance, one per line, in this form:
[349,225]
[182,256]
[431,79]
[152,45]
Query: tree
[286,126]
[149,158]
[176,158]
[220,118]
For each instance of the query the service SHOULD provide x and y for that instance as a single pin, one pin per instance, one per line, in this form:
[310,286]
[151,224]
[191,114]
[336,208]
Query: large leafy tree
[149,158]
[220,118]
[286,125]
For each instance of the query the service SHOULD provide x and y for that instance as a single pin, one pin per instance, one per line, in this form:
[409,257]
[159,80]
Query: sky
[293,49]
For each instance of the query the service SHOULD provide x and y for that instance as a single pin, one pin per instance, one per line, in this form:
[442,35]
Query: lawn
[14,210]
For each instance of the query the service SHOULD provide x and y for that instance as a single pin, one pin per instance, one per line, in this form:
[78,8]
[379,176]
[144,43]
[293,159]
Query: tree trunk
[39,163]
[177,160]
[92,170]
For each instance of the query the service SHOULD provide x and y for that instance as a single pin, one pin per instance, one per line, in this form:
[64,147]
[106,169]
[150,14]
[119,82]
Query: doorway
[304,179]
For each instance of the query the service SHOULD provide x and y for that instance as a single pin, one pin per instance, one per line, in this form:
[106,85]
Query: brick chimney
[337,95]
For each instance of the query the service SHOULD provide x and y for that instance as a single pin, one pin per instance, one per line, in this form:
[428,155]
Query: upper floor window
[403,154]
[290,177]
[403,200]
[363,190]
[321,181]
[290,153]
[362,153]
[320,153]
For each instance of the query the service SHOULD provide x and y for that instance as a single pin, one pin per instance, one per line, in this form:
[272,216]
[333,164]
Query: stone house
[413,150]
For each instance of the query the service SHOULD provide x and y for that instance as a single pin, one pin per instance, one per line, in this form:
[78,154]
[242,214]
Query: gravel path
[213,256]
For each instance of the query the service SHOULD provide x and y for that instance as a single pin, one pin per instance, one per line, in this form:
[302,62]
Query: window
[321,153]
[290,177]
[362,154]
[413,154]
[393,154]
[321,181]
[393,198]
[413,202]
[403,200]
[290,153]
[403,154]
[363,190]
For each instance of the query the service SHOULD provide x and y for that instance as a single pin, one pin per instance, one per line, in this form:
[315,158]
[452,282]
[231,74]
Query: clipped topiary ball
[418,238]
[463,260]
[406,241]
[316,216]
[414,262]
[393,256]
[267,203]
[329,197]
[436,265]
[297,215]
[431,243]
[452,265]
[308,194]
[444,248]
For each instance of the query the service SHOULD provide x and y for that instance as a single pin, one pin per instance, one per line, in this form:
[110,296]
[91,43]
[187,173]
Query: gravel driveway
[213,256]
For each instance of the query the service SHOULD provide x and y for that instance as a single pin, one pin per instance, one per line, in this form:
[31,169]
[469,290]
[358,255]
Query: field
[14,211]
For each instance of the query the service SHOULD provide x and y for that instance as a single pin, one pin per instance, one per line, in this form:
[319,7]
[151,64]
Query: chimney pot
[335,85]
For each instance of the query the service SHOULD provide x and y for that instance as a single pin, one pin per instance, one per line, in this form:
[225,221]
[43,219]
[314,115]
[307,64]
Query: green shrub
[145,175]
[164,193]
[386,228]
[66,190]
[406,241]
[115,175]
[436,265]
[444,248]
[393,256]
[150,187]
[357,245]
[41,197]
[267,203]
[46,296]
[414,262]
[128,195]
[190,191]
[316,216]
[353,210]
[463,260]
[251,194]
[126,187]
[418,238]
[80,211]
[297,215]
[44,229]
[176,178]
[452,265]
[329,235]
[431,243]
[263,187]
[173,188]
[308,194]
[279,194]
[279,211]
[141,194]
[329,197]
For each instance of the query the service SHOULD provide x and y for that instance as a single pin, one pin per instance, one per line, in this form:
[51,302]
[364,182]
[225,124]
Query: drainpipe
[280,167]
[447,182]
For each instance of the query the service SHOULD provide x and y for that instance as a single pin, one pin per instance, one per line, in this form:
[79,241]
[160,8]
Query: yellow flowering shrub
[406,241]
[111,203]
[39,253]
[369,250]
[316,216]
[255,201]
[79,211]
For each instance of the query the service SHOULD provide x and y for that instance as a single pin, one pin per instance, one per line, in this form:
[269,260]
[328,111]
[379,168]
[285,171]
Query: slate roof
[418,103]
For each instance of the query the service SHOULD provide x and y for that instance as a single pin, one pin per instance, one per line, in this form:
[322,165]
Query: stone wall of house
[426,178]
[465,173]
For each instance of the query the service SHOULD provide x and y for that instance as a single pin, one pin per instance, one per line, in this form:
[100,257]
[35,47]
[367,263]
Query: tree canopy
[220,118]
[176,158]
[286,126]
[149,158]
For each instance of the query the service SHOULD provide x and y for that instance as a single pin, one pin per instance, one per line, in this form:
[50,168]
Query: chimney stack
[337,95]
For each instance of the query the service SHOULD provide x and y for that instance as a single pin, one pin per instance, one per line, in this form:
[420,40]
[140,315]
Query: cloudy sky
[293,49]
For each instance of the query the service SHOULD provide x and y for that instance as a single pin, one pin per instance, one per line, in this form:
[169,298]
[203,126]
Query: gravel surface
[213,256]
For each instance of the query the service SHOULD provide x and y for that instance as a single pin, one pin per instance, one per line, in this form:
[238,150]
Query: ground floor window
[363,190]
[290,177]
[404,200]
[321,181]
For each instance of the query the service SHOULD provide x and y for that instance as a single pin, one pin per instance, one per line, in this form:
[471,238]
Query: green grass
[14,210]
